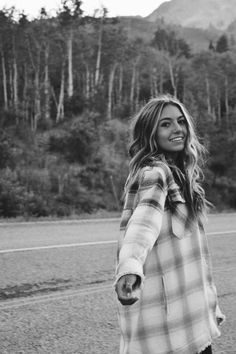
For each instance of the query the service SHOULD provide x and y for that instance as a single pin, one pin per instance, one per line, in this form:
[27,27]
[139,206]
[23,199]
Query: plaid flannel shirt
[177,308]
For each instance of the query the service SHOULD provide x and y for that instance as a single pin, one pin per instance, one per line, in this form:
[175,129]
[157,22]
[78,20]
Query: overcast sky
[115,7]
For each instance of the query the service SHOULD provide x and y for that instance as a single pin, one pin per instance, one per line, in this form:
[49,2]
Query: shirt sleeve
[145,223]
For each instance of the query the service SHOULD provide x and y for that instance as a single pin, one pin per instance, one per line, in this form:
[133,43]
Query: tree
[167,40]
[226,82]
[211,46]
[174,50]
[203,82]
[222,44]
[99,51]
[114,46]
[6,27]
[68,17]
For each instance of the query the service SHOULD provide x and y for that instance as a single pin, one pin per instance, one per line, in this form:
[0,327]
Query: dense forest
[69,85]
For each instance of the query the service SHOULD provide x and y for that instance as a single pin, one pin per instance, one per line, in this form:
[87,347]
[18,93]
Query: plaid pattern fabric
[176,311]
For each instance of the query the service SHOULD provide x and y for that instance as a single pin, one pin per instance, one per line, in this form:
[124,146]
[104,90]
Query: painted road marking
[36,299]
[216,233]
[85,244]
[9,304]
[81,244]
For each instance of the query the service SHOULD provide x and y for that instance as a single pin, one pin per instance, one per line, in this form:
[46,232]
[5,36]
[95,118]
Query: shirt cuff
[130,266]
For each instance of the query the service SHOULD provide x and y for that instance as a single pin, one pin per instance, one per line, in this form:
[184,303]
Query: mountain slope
[197,38]
[196,13]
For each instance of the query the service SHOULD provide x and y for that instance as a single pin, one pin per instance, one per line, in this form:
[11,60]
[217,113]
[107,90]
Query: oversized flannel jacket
[177,309]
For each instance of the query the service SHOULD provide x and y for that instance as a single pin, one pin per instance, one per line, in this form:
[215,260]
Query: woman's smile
[177,139]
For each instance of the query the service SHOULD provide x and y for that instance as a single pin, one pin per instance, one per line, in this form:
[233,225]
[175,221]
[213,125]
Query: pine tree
[222,44]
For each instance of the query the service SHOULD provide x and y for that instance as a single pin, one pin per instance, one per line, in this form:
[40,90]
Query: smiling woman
[172,131]
[167,301]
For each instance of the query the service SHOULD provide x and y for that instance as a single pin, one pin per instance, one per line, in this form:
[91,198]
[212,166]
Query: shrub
[12,194]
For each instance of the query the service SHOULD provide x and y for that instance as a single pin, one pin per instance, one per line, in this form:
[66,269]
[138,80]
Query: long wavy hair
[186,168]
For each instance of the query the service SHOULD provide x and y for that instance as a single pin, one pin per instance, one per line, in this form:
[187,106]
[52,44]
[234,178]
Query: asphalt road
[41,234]
[60,300]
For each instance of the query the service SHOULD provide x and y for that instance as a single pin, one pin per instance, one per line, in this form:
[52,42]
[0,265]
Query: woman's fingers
[129,282]
[125,289]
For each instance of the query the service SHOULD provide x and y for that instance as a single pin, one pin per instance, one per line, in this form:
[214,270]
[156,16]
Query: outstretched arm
[142,232]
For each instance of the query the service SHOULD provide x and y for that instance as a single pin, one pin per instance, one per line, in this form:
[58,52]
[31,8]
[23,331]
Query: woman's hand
[220,317]
[127,287]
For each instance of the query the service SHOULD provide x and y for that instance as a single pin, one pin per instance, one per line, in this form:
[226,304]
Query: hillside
[138,27]
[197,14]
[197,38]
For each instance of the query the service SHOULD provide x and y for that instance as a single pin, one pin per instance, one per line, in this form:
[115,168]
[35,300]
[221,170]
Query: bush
[36,205]
[12,195]
[6,156]
[78,142]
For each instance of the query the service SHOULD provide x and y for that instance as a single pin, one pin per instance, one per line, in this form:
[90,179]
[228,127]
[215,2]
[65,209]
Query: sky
[115,7]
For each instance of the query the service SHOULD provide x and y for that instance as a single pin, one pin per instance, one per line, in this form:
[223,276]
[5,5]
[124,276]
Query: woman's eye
[165,125]
[182,122]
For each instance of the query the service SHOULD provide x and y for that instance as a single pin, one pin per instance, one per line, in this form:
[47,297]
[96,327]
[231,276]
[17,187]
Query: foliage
[167,40]
[6,154]
[77,140]
[222,44]
[69,85]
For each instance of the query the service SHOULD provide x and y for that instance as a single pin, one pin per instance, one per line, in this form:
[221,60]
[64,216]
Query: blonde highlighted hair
[144,149]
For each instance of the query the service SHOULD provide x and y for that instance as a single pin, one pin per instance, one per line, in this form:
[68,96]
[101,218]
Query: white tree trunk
[87,81]
[11,91]
[37,103]
[137,90]
[4,82]
[110,90]
[227,101]
[15,84]
[70,89]
[218,107]
[25,98]
[60,106]
[120,88]
[172,77]
[154,88]
[132,88]
[46,86]
[99,54]
[208,94]
[15,79]
[161,81]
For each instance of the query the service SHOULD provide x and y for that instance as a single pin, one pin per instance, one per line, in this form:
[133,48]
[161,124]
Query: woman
[167,299]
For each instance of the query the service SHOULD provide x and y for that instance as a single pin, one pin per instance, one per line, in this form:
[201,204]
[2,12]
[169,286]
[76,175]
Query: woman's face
[172,130]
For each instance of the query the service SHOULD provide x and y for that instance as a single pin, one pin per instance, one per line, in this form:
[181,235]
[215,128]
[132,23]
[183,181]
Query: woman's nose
[177,127]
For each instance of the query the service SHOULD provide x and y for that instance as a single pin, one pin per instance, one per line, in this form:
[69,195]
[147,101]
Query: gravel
[82,325]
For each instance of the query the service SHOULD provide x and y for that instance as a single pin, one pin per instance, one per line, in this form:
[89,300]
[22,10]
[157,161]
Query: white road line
[85,244]
[81,244]
[36,299]
[8,304]
[231,232]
